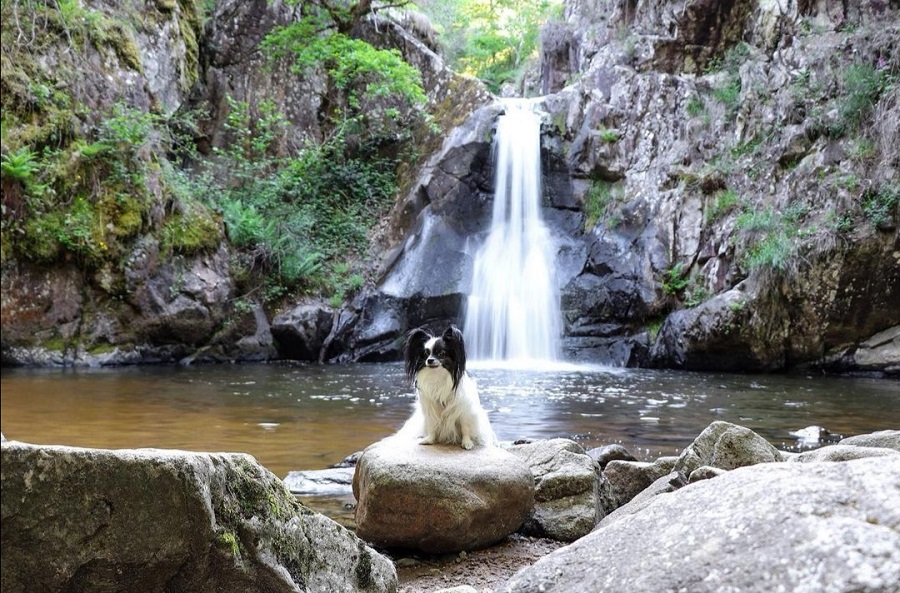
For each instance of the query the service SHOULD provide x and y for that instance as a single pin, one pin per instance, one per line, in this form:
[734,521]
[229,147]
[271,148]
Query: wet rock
[881,351]
[438,498]
[301,332]
[769,527]
[726,446]
[615,452]
[628,478]
[153,520]
[335,480]
[567,489]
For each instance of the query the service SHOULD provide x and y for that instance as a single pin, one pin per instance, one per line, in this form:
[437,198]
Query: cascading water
[513,310]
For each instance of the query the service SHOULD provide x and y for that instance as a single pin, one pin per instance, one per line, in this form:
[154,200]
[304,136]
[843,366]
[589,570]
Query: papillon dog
[448,410]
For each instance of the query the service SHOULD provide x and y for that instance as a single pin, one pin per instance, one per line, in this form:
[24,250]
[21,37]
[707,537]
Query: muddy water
[307,417]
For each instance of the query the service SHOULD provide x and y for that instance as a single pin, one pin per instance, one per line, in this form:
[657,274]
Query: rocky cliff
[723,189]
[721,179]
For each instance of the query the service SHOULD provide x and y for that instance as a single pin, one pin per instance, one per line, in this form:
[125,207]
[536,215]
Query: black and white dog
[448,410]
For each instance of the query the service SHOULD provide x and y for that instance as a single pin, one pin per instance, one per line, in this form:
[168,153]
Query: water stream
[513,310]
[296,417]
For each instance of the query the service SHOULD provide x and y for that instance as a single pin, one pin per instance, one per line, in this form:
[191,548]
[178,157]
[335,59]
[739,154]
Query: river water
[297,417]
[293,417]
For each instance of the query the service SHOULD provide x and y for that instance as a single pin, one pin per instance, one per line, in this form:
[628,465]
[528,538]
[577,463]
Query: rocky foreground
[731,513]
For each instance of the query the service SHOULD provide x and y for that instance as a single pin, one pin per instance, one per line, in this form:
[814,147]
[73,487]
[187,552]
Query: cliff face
[745,156]
[721,178]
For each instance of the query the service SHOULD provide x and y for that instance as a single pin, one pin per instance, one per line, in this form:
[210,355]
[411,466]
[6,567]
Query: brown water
[294,417]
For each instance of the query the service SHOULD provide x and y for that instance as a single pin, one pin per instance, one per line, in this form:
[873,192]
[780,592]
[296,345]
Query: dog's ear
[412,351]
[453,338]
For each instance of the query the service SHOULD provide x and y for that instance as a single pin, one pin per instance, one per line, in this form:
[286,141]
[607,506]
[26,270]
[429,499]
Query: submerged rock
[770,527]
[155,521]
[439,498]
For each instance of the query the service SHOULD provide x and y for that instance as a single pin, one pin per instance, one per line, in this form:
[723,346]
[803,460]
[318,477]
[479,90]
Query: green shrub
[696,107]
[861,86]
[772,242]
[675,279]
[880,206]
[597,202]
[724,202]
[609,136]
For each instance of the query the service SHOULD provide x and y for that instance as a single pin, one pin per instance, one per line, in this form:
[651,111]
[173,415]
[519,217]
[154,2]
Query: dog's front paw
[429,440]
[467,443]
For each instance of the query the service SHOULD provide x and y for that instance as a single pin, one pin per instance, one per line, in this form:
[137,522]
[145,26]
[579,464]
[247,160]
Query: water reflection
[305,417]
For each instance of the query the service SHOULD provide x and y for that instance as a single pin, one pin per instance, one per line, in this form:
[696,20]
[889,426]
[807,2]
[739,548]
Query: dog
[448,410]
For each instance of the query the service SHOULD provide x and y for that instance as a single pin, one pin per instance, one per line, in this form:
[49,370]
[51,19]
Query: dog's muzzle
[432,363]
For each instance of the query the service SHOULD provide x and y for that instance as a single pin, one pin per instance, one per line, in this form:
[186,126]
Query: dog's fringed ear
[454,340]
[413,350]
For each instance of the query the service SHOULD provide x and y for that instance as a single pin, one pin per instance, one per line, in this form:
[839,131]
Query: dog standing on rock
[448,410]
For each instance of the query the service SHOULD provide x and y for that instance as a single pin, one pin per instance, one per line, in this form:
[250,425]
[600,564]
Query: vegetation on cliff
[88,171]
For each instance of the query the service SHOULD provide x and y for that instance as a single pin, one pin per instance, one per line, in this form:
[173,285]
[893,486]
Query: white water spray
[513,311]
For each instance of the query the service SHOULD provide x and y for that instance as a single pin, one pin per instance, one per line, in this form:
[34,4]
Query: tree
[490,39]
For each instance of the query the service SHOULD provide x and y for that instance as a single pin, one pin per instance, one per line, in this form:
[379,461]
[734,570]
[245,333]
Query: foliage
[20,165]
[294,215]
[597,202]
[773,236]
[695,107]
[609,136]
[675,279]
[880,206]
[374,83]
[724,201]
[729,91]
[861,86]
[490,39]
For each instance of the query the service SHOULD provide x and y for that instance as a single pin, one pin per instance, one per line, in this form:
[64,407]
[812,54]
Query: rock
[628,478]
[438,498]
[300,333]
[841,452]
[567,496]
[811,436]
[334,480]
[605,454]
[726,446]
[705,472]
[153,520]
[716,335]
[881,351]
[772,527]
[457,589]
[882,438]
[667,483]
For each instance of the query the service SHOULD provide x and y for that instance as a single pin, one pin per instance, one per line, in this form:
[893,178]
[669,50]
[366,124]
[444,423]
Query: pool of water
[296,417]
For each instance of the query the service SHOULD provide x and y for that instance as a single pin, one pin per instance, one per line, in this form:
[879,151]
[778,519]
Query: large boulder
[567,497]
[439,498]
[771,527]
[156,521]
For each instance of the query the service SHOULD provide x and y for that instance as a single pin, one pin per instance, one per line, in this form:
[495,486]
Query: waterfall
[513,310]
